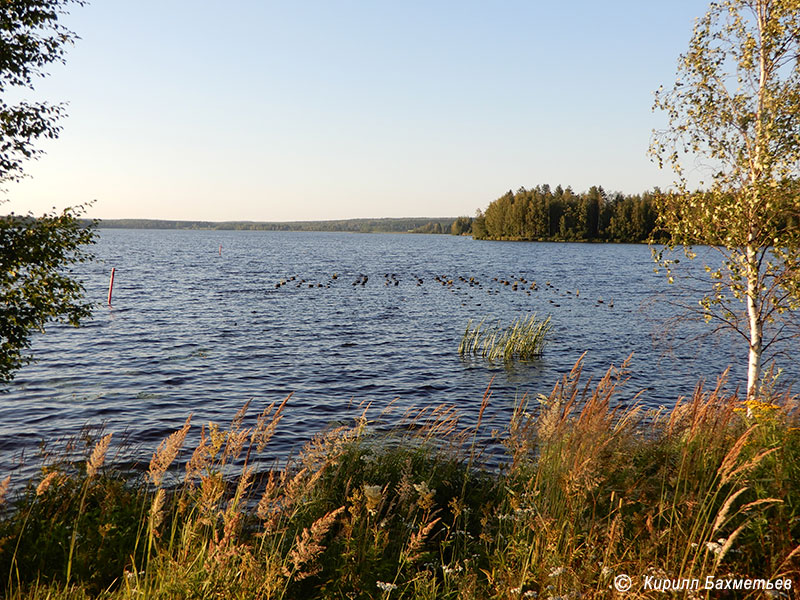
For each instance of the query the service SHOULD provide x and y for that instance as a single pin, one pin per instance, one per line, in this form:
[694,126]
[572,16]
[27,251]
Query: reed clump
[524,339]
[593,486]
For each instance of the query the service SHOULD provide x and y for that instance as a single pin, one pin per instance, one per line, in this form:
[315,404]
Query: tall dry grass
[593,486]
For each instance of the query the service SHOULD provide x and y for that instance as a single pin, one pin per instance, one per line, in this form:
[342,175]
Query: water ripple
[192,332]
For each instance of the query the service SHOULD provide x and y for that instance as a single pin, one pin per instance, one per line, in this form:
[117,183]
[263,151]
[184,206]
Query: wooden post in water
[220,249]
[111,285]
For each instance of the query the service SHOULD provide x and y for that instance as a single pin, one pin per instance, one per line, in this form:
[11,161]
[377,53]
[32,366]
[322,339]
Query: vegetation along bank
[592,488]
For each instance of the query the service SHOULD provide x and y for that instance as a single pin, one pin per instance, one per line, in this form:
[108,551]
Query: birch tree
[734,118]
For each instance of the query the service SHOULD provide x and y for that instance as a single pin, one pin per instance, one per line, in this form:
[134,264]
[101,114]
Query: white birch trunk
[755,324]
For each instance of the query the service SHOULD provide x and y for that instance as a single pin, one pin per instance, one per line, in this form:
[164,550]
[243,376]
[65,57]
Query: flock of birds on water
[518,284]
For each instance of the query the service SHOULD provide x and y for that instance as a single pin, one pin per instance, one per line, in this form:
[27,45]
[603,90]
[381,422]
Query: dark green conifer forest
[545,214]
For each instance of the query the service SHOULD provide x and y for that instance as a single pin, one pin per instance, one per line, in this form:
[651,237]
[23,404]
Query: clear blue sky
[261,110]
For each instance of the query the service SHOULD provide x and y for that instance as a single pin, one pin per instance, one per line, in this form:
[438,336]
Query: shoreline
[594,495]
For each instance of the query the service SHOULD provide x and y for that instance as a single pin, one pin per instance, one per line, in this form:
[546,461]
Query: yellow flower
[758,409]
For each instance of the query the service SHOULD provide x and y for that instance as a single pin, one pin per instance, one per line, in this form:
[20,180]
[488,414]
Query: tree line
[363,225]
[545,214]
[538,214]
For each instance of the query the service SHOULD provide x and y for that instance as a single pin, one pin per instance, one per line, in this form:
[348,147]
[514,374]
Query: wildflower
[713,547]
[374,495]
[556,572]
[386,587]
[422,488]
[425,500]
[758,409]
[448,570]
[368,458]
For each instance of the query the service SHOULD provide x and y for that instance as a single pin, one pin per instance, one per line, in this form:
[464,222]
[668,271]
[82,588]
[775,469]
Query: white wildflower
[422,488]
[373,494]
[426,494]
[386,587]
[448,570]
[714,547]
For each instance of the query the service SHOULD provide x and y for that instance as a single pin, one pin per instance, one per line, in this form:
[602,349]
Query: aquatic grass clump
[524,339]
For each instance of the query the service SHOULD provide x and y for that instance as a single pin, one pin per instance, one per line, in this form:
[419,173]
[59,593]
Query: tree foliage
[35,253]
[461,226]
[35,287]
[734,113]
[430,227]
[31,38]
[545,214]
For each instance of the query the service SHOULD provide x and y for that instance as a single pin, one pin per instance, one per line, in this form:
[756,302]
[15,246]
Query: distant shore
[378,225]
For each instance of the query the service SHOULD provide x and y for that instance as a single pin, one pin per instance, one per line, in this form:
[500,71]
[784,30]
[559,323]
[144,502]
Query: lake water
[193,331]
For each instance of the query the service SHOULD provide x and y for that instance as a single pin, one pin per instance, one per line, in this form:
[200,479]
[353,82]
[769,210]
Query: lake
[195,331]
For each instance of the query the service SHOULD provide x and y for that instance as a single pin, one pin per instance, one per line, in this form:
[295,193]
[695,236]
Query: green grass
[593,486]
[524,339]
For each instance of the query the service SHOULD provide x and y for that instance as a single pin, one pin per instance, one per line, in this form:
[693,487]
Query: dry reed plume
[167,452]
[98,456]
[593,485]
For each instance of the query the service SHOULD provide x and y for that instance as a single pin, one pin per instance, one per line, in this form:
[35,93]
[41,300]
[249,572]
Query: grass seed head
[167,451]
[157,511]
[4,489]
[416,544]
[308,545]
[98,456]
[45,484]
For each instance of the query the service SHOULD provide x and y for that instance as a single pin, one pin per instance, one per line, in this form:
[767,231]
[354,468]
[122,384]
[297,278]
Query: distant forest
[559,214]
[538,214]
[387,225]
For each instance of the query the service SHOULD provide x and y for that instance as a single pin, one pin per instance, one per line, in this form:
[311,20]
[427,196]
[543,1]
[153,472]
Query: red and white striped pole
[111,285]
